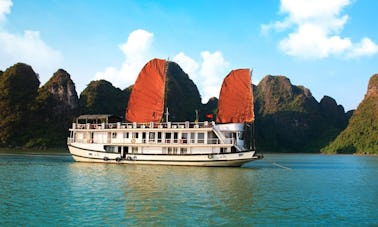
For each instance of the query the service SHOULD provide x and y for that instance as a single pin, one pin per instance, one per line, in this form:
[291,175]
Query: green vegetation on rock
[18,89]
[182,95]
[361,135]
[101,97]
[287,117]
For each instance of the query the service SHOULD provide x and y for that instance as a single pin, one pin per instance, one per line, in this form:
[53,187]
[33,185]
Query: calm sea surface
[278,190]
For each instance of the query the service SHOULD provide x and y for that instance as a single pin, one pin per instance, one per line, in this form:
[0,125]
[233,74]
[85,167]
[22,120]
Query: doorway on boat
[125,151]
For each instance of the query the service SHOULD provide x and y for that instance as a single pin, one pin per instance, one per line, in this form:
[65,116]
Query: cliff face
[289,119]
[101,97]
[61,90]
[182,95]
[360,136]
[18,89]
[276,94]
[54,109]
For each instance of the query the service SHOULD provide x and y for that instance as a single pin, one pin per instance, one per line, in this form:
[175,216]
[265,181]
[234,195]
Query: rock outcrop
[101,97]
[62,90]
[289,119]
[18,89]
[182,95]
[360,136]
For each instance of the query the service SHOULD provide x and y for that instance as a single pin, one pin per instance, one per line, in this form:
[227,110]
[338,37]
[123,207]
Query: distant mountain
[182,95]
[55,108]
[289,119]
[209,110]
[18,90]
[101,97]
[361,134]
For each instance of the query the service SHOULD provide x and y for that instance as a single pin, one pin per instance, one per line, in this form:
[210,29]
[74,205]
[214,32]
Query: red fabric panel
[236,98]
[146,103]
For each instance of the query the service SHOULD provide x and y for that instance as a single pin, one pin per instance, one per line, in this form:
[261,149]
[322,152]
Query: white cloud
[316,26]
[208,74]
[136,50]
[311,42]
[5,6]
[213,70]
[365,47]
[28,48]
[189,65]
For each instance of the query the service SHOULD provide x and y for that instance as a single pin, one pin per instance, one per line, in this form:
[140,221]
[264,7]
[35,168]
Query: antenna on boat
[165,89]
[196,116]
[166,115]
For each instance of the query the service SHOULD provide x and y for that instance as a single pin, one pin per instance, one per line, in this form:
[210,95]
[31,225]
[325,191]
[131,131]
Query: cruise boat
[147,138]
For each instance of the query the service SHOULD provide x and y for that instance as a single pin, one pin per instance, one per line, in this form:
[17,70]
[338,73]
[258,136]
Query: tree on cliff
[18,89]
[289,119]
[182,95]
[361,134]
[101,97]
[55,107]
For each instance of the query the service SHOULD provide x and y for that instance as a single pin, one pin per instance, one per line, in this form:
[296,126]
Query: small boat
[146,139]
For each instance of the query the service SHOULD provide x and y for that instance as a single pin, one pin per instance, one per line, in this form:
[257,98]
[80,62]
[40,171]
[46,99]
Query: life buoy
[110,125]
[180,140]
[133,141]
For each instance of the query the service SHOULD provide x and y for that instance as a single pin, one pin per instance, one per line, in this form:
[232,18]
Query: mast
[165,92]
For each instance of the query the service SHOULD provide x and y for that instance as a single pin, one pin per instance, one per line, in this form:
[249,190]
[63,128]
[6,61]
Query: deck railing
[119,125]
[149,141]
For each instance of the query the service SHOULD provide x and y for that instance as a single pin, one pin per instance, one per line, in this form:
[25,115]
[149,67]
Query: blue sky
[330,47]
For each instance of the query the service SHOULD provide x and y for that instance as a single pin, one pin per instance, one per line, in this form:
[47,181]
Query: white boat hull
[225,159]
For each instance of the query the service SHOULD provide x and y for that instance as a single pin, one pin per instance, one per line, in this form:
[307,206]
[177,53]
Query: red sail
[236,98]
[146,103]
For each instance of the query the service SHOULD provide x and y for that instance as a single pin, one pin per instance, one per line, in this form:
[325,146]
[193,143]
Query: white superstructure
[94,139]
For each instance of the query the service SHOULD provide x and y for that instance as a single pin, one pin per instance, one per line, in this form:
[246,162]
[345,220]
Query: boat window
[175,137]
[168,137]
[192,137]
[135,135]
[223,150]
[240,135]
[212,138]
[109,149]
[201,137]
[135,150]
[143,135]
[184,150]
[159,137]
[125,135]
[114,135]
[151,137]
[172,150]
[184,137]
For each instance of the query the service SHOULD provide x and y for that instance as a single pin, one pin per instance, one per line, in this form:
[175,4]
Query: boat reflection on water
[143,194]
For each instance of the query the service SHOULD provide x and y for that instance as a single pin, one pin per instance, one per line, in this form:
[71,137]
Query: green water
[278,190]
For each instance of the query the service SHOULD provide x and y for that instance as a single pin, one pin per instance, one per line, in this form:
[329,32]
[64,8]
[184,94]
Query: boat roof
[93,116]
[108,118]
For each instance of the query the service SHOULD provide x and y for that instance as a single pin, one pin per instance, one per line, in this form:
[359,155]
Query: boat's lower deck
[83,154]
